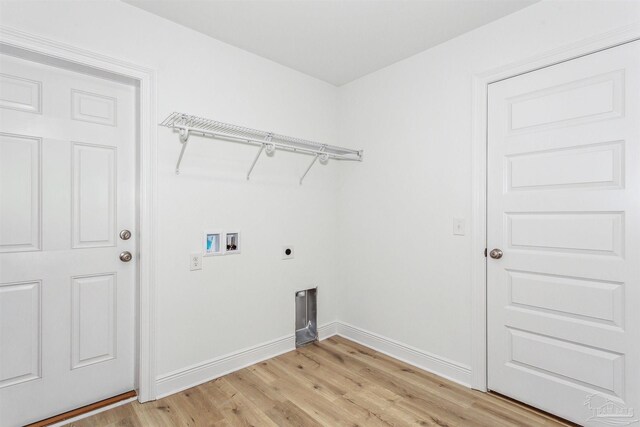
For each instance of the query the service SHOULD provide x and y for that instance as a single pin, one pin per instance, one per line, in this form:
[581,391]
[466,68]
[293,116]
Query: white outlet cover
[284,252]
[195,261]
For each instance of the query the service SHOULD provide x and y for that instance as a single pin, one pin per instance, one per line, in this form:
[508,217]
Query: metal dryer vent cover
[306,317]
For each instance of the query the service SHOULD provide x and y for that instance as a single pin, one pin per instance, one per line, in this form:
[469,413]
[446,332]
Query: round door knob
[125,234]
[125,256]
[496,254]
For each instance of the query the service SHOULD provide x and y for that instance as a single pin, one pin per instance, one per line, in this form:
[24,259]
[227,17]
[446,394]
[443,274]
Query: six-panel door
[67,183]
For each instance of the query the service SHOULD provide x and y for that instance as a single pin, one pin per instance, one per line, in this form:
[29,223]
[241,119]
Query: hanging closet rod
[186,124]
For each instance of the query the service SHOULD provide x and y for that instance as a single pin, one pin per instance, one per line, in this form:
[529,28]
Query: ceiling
[334,40]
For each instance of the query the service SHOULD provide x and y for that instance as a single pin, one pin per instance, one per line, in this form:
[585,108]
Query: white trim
[199,373]
[429,362]
[94,412]
[479,176]
[328,330]
[145,77]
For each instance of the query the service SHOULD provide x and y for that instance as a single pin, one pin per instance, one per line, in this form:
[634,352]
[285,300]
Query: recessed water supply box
[212,243]
[306,316]
[232,239]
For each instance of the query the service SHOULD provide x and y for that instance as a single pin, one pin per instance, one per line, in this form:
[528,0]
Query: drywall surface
[407,277]
[242,300]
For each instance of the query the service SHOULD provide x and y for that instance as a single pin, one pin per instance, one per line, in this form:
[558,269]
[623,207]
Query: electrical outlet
[458,226]
[195,261]
[287,252]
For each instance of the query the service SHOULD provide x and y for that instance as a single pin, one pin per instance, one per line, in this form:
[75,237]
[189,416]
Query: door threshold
[83,410]
[533,409]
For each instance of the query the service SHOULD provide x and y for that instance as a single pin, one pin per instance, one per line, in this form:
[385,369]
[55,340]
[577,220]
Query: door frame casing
[480,84]
[147,171]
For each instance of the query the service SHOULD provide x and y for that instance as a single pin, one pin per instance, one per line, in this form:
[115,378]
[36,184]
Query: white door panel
[564,206]
[67,169]
[20,189]
[20,94]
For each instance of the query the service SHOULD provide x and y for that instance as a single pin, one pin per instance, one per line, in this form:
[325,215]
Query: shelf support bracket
[262,147]
[324,158]
[255,160]
[184,138]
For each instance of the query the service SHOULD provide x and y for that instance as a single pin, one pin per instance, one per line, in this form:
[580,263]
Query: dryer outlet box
[288,252]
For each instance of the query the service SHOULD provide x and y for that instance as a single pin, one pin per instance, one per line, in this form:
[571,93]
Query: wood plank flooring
[333,383]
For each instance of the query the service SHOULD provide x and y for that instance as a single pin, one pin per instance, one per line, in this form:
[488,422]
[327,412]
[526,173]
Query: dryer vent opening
[306,317]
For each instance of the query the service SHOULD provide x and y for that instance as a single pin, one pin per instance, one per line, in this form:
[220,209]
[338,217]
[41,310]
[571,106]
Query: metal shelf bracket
[324,158]
[184,139]
[270,149]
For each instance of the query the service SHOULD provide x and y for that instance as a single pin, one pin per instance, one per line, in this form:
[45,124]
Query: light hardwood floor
[333,383]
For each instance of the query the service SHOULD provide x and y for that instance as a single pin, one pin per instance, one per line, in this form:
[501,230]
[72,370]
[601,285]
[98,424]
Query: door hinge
[485,252]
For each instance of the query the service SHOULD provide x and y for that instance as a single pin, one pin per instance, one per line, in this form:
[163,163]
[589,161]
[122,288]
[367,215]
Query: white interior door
[564,207]
[67,188]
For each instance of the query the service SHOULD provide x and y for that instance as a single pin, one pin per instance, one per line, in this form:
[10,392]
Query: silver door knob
[125,256]
[125,234]
[496,253]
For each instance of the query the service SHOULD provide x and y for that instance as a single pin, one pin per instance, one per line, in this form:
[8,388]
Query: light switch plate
[195,261]
[288,252]
[458,226]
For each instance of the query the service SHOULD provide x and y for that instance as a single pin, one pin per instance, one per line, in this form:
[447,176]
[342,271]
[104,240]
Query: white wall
[399,272]
[407,277]
[241,300]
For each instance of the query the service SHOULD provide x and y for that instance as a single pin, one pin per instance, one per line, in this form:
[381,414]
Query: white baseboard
[440,366]
[199,373]
[328,330]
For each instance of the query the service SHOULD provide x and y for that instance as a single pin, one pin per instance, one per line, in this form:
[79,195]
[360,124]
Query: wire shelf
[186,124]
